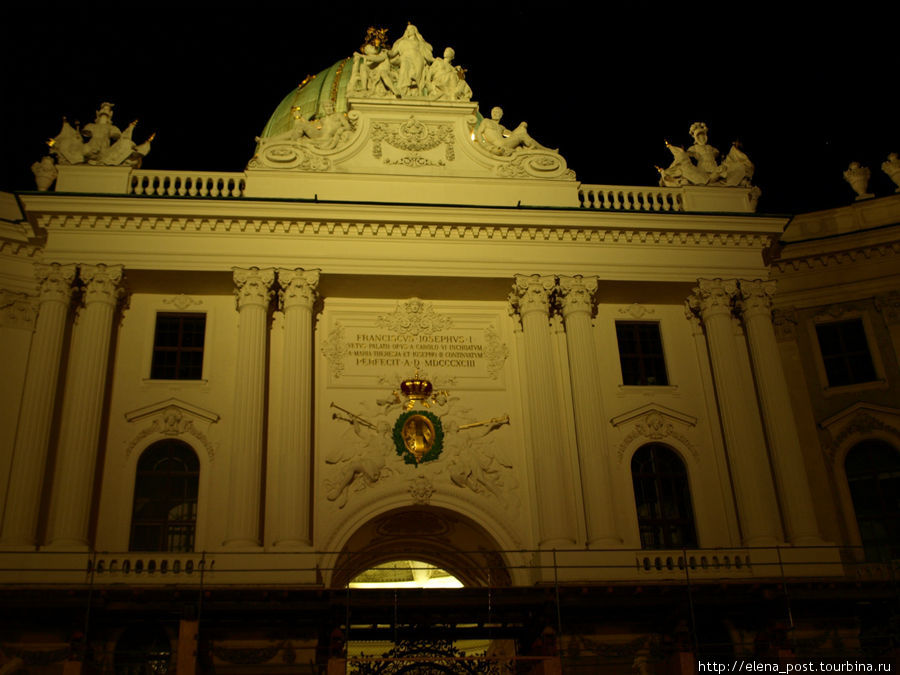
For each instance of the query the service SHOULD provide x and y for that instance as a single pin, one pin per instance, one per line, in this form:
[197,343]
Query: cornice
[816,260]
[273,215]
[371,229]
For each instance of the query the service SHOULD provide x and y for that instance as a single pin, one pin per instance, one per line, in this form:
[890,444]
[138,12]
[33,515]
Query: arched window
[143,649]
[663,498]
[873,474]
[164,516]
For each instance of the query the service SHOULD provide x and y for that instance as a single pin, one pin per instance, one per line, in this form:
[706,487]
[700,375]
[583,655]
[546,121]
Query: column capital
[54,281]
[532,293]
[253,286]
[298,287]
[101,283]
[713,296]
[756,296]
[576,294]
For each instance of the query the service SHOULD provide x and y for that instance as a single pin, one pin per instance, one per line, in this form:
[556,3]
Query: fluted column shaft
[298,293]
[245,483]
[79,432]
[742,427]
[576,295]
[556,511]
[781,429]
[23,501]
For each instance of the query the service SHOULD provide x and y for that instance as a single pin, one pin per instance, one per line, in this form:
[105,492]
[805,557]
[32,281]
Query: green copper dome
[311,97]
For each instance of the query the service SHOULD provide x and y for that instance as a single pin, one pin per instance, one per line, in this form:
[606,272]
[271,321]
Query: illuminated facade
[207,437]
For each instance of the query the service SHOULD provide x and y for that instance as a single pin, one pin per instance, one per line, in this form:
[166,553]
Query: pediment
[172,404]
[654,422]
[172,417]
[861,419]
[653,410]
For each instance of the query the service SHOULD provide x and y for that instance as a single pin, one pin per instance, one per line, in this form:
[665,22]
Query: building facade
[407,333]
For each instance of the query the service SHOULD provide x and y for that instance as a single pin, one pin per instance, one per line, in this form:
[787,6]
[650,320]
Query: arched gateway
[433,535]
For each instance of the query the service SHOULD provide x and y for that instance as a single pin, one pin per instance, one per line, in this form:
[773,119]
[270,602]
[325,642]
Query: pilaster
[297,295]
[253,293]
[576,295]
[532,296]
[742,427]
[889,306]
[781,429]
[23,501]
[79,433]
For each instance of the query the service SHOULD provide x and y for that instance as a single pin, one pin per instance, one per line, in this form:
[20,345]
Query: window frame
[874,354]
[139,499]
[686,521]
[640,356]
[851,507]
[179,348]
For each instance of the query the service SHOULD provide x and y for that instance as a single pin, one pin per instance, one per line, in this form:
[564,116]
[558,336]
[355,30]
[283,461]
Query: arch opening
[431,537]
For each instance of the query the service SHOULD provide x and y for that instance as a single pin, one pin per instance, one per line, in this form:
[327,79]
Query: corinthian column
[79,432]
[23,501]
[577,301]
[253,295]
[744,438]
[556,511]
[298,292]
[781,429]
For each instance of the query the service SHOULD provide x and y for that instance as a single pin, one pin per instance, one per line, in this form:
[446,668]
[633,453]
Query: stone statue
[682,171]
[446,82]
[499,140]
[737,169]
[858,178]
[324,133]
[371,74]
[106,144]
[414,54]
[892,168]
[45,173]
[699,165]
[705,155]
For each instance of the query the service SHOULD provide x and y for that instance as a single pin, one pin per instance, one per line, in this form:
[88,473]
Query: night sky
[804,94]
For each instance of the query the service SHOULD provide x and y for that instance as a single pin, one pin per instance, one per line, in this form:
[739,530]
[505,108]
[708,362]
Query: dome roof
[311,96]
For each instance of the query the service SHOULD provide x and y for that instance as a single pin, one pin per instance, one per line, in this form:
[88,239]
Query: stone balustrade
[177,568]
[630,198]
[186,184]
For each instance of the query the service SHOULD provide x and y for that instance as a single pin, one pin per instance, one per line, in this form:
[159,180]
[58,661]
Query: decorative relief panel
[413,137]
[181,302]
[17,310]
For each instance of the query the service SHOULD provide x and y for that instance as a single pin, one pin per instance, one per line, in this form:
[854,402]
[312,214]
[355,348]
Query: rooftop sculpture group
[406,69]
[327,122]
[699,165]
[100,143]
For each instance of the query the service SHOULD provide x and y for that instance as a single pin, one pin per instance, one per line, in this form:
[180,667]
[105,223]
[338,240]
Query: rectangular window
[641,353]
[178,347]
[845,352]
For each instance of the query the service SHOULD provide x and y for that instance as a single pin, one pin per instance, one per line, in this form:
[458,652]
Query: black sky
[805,94]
